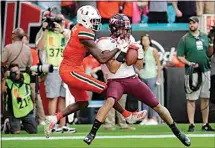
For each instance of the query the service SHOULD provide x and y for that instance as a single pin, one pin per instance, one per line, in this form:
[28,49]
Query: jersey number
[55,52]
[23,103]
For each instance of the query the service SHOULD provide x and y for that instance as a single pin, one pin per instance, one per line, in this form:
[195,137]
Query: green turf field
[143,137]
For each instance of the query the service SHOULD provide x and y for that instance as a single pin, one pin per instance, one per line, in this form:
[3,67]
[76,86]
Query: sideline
[105,137]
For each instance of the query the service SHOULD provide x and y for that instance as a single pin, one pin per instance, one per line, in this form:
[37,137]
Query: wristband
[121,57]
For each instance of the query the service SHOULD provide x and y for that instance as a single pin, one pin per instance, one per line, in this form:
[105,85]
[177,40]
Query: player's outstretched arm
[97,53]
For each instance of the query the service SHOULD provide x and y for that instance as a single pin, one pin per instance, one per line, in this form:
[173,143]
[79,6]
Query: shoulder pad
[106,43]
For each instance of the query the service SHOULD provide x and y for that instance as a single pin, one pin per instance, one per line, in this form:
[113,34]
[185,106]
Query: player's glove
[134,46]
[122,45]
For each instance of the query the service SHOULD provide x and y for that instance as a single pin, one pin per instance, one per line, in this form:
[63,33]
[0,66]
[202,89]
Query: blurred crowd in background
[139,11]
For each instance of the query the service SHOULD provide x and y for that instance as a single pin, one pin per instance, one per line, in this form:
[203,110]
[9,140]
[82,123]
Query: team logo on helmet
[89,17]
[120,25]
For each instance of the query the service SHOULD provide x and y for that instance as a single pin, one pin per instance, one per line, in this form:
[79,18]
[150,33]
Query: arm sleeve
[180,48]
[86,35]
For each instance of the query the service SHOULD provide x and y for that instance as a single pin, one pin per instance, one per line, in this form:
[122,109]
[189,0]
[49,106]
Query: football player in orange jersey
[72,73]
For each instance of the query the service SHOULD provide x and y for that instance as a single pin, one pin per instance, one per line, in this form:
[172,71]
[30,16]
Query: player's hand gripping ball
[132,54]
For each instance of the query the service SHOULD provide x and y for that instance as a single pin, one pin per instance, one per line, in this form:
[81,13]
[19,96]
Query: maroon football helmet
[120,26]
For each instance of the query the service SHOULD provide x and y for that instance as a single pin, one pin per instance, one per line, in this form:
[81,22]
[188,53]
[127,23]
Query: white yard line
[104,137]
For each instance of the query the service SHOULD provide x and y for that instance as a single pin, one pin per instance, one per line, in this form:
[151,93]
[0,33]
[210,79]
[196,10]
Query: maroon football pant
[132,86]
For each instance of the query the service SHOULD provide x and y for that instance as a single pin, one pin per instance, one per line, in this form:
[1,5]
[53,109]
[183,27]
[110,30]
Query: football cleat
[50,124]
[136,116]
[89,138]
[184,139]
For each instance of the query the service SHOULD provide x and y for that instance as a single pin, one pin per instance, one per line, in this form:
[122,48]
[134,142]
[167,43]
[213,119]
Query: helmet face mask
[96,24]
[89,17]
[120,26]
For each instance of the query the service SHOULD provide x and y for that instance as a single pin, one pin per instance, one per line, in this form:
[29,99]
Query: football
[131,56]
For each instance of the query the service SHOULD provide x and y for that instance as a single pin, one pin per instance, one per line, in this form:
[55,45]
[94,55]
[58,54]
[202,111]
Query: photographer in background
[50,41]
[211,53]
[19,101]
[193,50]
[17,52]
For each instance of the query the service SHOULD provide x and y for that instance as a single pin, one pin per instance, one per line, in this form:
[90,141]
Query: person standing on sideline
[51,43]
[17,52]
[150,74]
[192,51]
